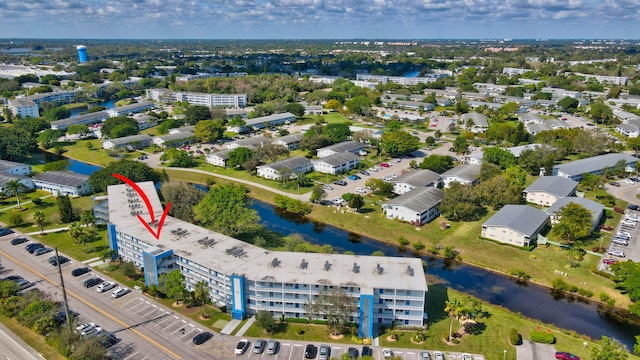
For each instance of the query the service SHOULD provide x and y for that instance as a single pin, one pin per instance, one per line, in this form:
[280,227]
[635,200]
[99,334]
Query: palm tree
[75,231]
[87,218]
[38,218]
[453,308]
[15,187]
[437,134]
[201,293]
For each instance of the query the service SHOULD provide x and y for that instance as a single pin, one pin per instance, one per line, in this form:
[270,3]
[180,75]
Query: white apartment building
[24,108]
[289,167]
[248,279]
[14,168]
[336,163]
[203,99]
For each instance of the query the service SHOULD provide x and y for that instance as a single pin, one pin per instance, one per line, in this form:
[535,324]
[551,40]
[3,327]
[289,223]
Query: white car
[92,331]
[121,291]
[617,253]
[628,181]
[373,169]
[623,234]
[361,190]
[629,223]
[387,353]
[106,286]
[438,355]
[84,327]
[467,357]
[620,241]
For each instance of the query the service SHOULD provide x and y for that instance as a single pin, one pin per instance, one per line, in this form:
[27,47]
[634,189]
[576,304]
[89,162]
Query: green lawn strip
[32,339]
[78,150]
[65,244]
[492,335]
[292,331]
[49,207]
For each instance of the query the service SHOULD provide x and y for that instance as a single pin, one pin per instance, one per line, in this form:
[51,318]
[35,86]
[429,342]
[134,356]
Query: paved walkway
[246,326]
[534,351]
[47,231]
[24,203]
[232,325]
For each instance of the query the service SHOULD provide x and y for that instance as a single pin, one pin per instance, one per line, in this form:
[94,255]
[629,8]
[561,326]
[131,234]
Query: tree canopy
[398,143]
[437,163]
[119,126]
[575,221]
[134,170]
[226,209]
[183,197]
[209,130]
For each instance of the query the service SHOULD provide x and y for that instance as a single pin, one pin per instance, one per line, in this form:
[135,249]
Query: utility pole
[64,291]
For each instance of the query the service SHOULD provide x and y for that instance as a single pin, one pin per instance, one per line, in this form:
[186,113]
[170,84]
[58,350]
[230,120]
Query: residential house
[546,190]
[629,129]
[201,99]
[130,109]
[353,147]
[63,183]
[291,142]
[218,158]
[594,165]
[477,122]
[175,140]
[264,122]
[191,128]
[415,179]
[465,174]
[517,225]
[595,208]
[145,121]
[336,163]
[250,143]
[85,119]
[14,168]
[130,142]
[290,167]
[418,206]
[6,178]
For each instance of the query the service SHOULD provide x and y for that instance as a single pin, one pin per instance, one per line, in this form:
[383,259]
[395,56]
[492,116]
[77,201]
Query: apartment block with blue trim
[247,279]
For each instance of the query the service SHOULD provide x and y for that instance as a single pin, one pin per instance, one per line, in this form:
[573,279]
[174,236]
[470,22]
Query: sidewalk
[24,203]
[246,326]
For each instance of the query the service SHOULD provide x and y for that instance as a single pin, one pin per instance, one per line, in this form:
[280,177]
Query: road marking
[138,299]
[96,308]
[18,345]
[128,357]
[168,318]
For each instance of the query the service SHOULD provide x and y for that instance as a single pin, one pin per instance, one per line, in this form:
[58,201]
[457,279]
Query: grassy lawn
[65,244]
[78,150]
[301,332]
[49,206]
[32,339]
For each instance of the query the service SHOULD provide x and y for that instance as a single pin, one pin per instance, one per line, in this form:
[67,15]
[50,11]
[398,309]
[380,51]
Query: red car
[562,355]
[609,261]
[385,165]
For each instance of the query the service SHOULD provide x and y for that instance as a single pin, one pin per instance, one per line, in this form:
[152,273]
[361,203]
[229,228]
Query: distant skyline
[320,19]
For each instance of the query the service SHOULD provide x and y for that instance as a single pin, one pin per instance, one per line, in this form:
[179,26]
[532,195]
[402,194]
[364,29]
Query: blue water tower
[82,53]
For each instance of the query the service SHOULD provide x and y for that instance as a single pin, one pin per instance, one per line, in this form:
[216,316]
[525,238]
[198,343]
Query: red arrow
[145,198]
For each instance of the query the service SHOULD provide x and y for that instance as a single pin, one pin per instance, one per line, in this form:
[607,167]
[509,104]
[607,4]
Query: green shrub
[403,241]
[300,332]
[514,337]
[37,201]
[16,220]
[297,320]
[585,292]
[559,284]
[320,322]
[455,341]
[572,288]
[543,337]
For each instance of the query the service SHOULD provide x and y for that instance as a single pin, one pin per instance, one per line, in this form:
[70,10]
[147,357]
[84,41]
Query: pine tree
[66,209]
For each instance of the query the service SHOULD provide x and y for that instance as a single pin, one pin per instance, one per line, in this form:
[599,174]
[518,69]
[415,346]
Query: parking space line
[140,302]
[151,314]
[141,309]
[129,357]
[173,323]
[168,318]
[184,322]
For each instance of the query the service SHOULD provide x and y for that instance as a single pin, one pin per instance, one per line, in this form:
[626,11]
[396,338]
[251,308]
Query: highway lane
[13,348]
[142,336]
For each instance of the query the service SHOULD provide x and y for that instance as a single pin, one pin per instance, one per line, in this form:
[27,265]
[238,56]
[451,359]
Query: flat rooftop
[232,256]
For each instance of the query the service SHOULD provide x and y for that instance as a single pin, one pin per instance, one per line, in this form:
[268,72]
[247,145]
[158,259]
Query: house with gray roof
[595,208]
[251,143]
[130,142]
[291,141]
[631,128]
[218,158]
[418,206]
[465,174]
[336,163]
[6,178]
[415,179]
[14,168]
[477,121]
[84,119]
[175,140]
[290,167]
[130,109]
[546,190]
[263,122]
[517,225]
[190,128]
[353,147]
[594,165]
[63,183]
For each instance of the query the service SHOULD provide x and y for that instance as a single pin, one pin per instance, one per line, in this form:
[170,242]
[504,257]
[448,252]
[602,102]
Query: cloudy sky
[320,19]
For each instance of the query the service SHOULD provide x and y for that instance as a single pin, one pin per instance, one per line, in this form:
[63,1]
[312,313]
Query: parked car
[609,261]
[467,357]
[33,246]
[24,284]
[617,253]
[42,251]
[620,241]
[80,271]
[397,161]
[424,355]
[438,355]
[354,177]
[361,190]
[385,165]
[633,207]
[623,234]
[272,347]
[614,183]
[83,327]
[54,260]
[106,286]
[310,351]
[387,354]
[119,292]
[327,187]
[366,351]
[202,338]
[93,332]
[353,353]
[340,182]
[19,240]
[374,169]
[364,172]
[325,352]
[242,347]
[5,231]
[92,282]
[628,181]
[562,355]
[258,346]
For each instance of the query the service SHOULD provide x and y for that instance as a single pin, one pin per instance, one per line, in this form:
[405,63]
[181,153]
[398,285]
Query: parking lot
[629,230]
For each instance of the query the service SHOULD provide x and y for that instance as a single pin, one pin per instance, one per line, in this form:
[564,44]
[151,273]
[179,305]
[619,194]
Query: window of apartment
[297,305]
[381,291]
[270,303]
[406,312]
[296,286]
[407,302]
[270,293]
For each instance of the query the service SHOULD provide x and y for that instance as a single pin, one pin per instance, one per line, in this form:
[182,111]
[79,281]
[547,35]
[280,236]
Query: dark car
[614,183]
[19,240]
[61,317]
[59,259]
[13,278]
[92,282]
[310,351]
[353,353]
[5,231]
[633,207]
[33,247]
[340,182]
[364,172]
[563,355]
[202,338]
[366,351]
[107,339]
[80,271]
[41,251]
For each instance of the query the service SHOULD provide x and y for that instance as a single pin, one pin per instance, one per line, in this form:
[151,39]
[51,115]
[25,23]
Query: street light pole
[504,356]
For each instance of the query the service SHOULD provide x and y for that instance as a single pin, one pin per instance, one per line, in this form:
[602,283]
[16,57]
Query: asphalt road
[13,348]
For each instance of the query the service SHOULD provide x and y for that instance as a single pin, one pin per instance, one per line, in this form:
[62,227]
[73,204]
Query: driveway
[534,351]
[624,192]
